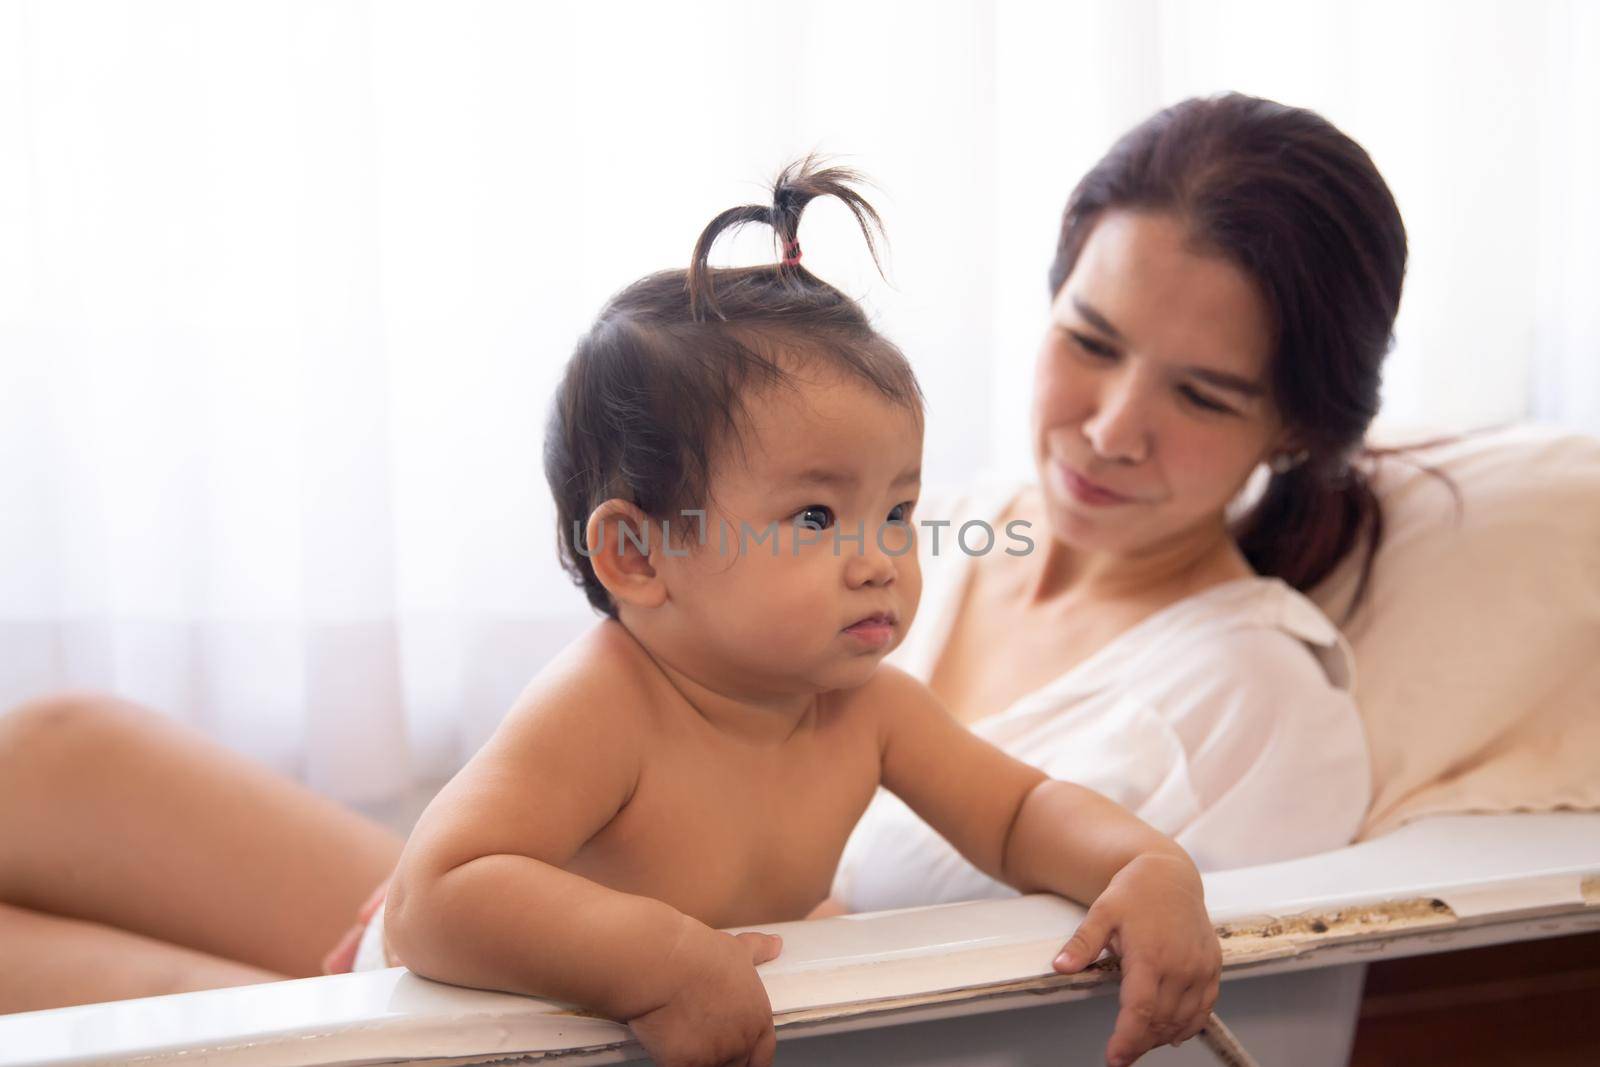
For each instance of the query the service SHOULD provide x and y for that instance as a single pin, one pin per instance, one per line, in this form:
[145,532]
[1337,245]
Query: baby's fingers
[766,1049]
[1207,1001]
[1188,1018]
[1147,1018]
[1132,1037]
[1085,945]
[763,947]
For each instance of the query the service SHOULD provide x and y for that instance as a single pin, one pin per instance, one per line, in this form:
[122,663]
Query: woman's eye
[902,512]
[1199,399]
[815,517]
[1098,349]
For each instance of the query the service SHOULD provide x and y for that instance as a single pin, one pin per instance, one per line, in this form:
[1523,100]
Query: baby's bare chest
[732,837]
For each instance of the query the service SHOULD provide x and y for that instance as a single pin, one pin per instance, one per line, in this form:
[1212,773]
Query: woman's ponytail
[1307,520]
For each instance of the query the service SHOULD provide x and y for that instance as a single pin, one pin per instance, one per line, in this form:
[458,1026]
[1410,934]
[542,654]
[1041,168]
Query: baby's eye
[815,516]
[902,512]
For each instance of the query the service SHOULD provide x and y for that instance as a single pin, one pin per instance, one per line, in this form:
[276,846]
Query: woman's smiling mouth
[1085,491]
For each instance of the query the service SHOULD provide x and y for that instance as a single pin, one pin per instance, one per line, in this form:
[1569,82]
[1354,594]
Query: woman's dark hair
[656,385]
[1300,208]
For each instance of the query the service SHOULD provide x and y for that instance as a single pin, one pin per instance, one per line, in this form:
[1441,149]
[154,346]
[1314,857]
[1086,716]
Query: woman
[1223,293]
[1225,286]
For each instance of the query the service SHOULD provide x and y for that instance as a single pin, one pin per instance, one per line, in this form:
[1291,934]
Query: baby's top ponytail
[653,391]
[796,186]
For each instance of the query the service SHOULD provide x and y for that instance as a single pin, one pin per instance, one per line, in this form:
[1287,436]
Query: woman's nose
[1118,429]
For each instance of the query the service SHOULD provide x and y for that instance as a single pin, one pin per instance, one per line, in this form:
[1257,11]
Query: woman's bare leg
[114,814]
[53,962]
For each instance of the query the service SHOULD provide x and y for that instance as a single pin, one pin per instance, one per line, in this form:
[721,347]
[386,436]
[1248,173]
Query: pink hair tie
[791,253]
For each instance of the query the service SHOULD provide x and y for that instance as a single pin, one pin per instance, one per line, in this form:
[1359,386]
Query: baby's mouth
[875,629]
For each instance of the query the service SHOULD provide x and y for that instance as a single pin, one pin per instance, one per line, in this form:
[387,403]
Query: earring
[1284,462]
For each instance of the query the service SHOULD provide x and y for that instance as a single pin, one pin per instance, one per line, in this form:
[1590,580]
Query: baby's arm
[480,897]
[1038,833]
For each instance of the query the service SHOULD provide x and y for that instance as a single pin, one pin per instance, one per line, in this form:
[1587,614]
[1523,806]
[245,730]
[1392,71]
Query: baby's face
[804,580]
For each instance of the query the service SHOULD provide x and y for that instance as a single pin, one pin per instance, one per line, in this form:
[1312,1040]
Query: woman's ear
[621,550]
[1287,439]
[1287,453]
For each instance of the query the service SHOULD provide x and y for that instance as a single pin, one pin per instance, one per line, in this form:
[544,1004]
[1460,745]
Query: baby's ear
[622,541]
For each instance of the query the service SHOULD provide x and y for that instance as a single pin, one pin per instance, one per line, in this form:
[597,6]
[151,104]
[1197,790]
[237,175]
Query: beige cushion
[1478,649]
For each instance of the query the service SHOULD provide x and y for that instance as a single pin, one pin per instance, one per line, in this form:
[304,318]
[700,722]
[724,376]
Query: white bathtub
[960,984]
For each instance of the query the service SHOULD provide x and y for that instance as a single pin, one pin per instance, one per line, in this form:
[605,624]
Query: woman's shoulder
[1262,628]
[1258,677]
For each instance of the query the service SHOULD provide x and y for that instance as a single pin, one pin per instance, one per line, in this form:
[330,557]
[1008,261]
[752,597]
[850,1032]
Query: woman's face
[1151,398]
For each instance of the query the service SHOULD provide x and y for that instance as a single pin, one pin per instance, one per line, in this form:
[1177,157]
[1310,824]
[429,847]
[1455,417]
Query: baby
[735,459]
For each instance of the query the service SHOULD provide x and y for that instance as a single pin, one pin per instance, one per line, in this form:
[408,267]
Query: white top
[1224,720]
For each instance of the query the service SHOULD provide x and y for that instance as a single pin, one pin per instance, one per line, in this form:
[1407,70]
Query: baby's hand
[1153,915]
[719,1012]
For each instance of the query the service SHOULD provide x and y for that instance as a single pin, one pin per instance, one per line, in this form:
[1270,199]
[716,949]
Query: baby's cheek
[774,596]
[909,579]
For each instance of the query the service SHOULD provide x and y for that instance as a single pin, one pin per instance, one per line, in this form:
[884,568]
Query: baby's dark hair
[657,384]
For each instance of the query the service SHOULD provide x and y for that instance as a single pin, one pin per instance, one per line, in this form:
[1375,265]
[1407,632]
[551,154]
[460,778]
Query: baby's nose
[869,565]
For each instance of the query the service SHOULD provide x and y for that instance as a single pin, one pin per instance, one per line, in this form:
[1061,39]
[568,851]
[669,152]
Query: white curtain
[284,289]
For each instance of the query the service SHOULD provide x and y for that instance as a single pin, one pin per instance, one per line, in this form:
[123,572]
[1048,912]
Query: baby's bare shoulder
[601,679]
[571,748]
